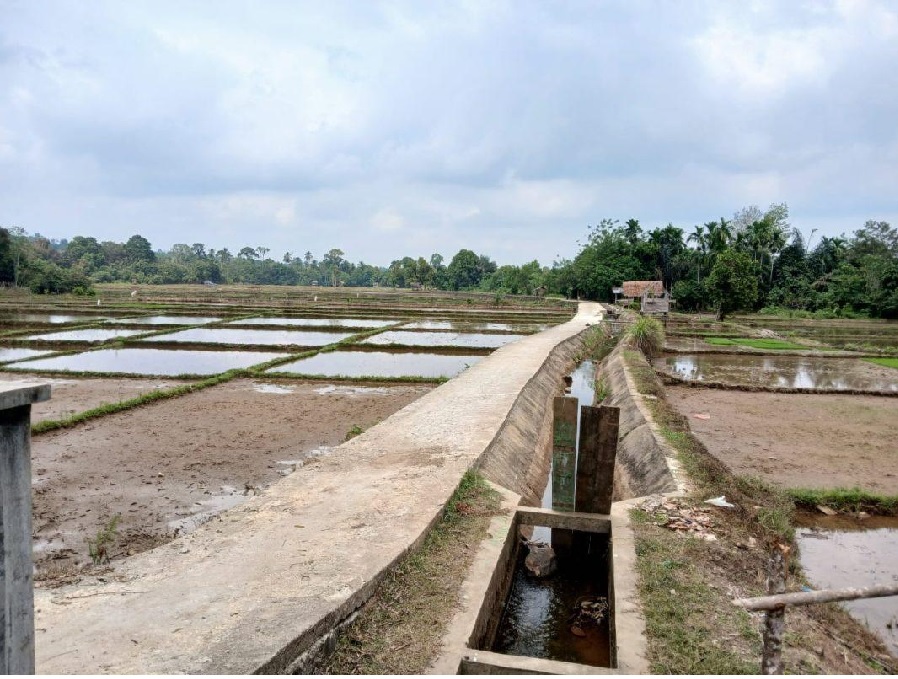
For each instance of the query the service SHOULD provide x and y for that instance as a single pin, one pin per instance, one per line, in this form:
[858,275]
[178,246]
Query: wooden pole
[16,566]
[775,620]
[595,458]
[823,596]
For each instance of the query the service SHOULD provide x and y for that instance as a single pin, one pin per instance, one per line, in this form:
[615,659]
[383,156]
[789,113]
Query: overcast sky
[407,128]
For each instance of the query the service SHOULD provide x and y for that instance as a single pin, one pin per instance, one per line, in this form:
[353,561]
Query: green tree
[138,249]
[733,282]
[465,270]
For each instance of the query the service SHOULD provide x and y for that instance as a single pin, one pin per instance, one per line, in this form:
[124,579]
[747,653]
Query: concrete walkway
[253,590]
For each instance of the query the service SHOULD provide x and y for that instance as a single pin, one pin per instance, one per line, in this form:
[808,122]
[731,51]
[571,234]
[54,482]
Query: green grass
[845,499]
[887,362]
[399,630]
[755,343]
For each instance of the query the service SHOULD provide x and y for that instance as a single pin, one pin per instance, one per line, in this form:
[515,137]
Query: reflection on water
[440,339]
[298,338]
[379,364]
[91,335]
[319,322]
[796,372]
[152,361]
[49,318]
[833,559]
[7,355]
[538,612]
[165,320]
[469,326]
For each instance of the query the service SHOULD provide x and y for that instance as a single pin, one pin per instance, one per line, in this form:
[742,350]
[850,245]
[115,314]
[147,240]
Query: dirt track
[175,463]
[798,440]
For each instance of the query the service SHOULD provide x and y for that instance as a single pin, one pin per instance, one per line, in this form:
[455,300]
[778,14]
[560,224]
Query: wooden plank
[564,453]
[589,523]
[823,596]
[595,460]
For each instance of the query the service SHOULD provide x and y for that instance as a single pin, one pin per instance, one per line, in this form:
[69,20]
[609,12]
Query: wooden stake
[775,620]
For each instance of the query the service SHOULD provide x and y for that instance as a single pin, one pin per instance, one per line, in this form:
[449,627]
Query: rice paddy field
[172,403]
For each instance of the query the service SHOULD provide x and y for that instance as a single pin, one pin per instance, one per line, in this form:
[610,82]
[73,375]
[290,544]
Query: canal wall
[254,589]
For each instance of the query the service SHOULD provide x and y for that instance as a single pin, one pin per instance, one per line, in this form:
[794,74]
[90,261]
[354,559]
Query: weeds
[354,430]
[98,548]
[845,499]
[647,335]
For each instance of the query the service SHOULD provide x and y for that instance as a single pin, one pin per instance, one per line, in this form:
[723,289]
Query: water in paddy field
[796,372]
[842,552]
[540,613]
[440,339]
[319,322]
[298,338]
[49,318]
[379,364]
[165,320]
[7,355]
[468,326]
[167,362]
[90,335]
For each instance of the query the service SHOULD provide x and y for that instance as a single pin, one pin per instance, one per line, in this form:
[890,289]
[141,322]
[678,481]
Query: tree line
[752,261]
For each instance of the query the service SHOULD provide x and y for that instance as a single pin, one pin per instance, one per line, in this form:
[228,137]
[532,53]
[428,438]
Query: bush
[647,335]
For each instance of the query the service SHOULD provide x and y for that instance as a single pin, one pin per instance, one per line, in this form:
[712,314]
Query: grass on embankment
[887,362]
[755,343]
[399,630]
[851,500]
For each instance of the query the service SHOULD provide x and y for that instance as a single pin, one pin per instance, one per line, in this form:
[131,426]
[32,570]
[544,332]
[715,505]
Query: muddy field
[75,395]
[169,466]
[798,440]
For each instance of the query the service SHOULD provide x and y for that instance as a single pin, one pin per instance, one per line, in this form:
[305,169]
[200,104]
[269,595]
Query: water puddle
[206,510]
[842,552]
[7,355]
[544,617]
[319,322]
[441,339]
[89,335]
[379,364]
[272,389]
[796,372]
[167,362]
[347,390]
[165,320]
[252,337]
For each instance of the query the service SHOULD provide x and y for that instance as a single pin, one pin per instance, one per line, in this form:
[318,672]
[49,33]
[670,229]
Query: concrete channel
[257,589]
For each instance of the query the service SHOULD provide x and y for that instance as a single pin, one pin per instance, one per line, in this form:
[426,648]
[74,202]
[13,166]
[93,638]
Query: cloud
[394,128]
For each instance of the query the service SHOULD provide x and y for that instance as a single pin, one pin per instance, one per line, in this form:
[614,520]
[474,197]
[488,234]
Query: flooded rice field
[468,326]
[347,363]
[441,339]
[165,320]
[88,335]
[48,318]
[7,354]
[135,361]
[318,322]
[299,338]
[839,551]
[792,372]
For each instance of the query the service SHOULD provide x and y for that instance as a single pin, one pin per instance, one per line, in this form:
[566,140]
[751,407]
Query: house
[654,299]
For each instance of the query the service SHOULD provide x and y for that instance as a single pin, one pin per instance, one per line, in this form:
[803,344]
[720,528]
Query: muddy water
[319,322]
[842,552]
[254,337]
[95,335]
[467,326]
[539,613]
[796,372]
[49,318]
[152,361]
[7,355]
[379,364]
[165,320]
[440,339]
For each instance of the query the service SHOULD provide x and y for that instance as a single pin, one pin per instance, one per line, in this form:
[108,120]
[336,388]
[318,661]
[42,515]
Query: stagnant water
[469,326]
[840,551]
[7,354]
[796,372]
[300,338]
[151,361]
[165,320]
[319,322]
[379,364]
[540,613]
[89,335]
[440,339]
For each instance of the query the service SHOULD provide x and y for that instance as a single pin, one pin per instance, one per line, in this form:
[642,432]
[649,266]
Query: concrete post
[16,566]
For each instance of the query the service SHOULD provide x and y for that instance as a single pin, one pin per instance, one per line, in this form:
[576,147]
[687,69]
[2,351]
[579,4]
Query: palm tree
[701,243]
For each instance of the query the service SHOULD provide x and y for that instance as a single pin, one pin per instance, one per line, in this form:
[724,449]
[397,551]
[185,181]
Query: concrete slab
[250,592]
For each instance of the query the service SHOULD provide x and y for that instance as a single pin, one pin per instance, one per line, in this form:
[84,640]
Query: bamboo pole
[823,596]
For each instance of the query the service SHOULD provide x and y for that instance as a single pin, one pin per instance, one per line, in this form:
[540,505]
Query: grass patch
[755,343]
[684,613]
[887,362]
[647,335]
[845,499]
[399,630]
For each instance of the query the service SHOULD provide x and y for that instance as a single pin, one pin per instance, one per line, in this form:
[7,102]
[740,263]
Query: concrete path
[251,591]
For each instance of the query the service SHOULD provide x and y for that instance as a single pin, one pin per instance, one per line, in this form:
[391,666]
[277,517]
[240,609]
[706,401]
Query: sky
[389,129]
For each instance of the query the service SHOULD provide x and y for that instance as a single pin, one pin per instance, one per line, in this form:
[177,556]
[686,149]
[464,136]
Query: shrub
[647,335]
